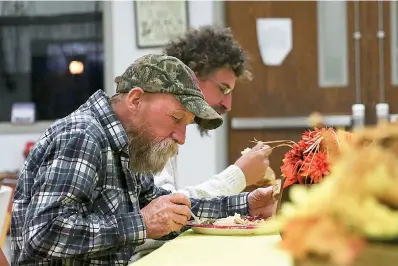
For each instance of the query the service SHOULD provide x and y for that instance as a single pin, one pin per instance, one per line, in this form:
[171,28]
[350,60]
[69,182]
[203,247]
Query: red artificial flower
[28,146]
[291,163]
[315,167]
[307,161]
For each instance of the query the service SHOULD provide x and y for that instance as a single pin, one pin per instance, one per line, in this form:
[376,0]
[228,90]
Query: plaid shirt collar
[114,130]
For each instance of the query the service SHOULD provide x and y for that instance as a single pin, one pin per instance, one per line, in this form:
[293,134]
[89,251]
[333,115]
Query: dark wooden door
[294,88]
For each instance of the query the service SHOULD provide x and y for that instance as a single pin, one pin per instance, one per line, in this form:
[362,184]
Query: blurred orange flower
[308,162]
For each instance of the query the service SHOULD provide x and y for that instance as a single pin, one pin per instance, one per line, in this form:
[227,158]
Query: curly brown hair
[208,49]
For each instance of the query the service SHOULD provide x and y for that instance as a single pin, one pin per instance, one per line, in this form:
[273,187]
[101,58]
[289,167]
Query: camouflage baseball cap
[167,74]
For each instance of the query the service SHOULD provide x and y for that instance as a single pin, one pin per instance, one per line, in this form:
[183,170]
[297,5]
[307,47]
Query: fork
[195,217]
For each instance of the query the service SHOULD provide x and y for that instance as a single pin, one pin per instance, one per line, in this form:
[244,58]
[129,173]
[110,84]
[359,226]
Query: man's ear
[134,99]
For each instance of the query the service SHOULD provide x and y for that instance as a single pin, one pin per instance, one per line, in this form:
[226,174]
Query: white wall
[11,150]
[200,157]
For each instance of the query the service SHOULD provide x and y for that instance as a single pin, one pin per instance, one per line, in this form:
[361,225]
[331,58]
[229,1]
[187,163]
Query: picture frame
[157,22]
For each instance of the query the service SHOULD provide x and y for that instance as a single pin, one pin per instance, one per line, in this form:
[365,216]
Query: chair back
[3,259]
[5,198]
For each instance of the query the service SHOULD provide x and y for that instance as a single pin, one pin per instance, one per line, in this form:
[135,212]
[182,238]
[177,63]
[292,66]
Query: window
[394,42]
[51,54]
[332,43]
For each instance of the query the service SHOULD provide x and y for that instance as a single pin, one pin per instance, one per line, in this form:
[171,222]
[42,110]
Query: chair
[3,259]
[5,199]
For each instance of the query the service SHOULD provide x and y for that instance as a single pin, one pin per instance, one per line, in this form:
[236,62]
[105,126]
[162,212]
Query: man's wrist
[248,201]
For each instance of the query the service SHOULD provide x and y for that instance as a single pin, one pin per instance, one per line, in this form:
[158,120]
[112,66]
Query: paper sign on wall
[275,39]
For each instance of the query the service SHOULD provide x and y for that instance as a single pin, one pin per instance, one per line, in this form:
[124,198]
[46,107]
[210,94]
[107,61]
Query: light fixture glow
[76,67]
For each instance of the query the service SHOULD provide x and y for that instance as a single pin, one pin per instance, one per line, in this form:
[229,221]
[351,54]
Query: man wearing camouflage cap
[86,194]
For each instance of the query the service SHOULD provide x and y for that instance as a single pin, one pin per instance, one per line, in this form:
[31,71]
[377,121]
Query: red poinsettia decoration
[28,146]
[308,160]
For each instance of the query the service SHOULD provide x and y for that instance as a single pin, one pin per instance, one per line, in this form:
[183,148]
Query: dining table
[193,249]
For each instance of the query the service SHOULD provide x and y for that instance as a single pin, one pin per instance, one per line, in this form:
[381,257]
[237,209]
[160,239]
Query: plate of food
[235,225]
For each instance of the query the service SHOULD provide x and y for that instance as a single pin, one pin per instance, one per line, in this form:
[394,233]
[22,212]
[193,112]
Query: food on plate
[236,220]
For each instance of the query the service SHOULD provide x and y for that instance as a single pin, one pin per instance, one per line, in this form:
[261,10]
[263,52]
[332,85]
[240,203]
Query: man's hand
[166,214]
[254,163]
[261,202]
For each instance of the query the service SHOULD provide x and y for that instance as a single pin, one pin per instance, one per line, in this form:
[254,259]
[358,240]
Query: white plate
[266,228]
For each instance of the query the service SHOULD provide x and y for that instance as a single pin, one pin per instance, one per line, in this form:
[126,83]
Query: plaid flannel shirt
[76,201]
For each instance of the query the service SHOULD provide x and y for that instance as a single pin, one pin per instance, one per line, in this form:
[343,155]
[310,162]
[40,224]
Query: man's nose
[227,102]
[180,134]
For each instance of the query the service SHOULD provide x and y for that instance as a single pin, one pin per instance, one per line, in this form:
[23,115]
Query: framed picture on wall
[157,22]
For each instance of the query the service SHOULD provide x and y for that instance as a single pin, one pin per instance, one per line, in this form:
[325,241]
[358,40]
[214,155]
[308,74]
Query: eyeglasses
[223,88]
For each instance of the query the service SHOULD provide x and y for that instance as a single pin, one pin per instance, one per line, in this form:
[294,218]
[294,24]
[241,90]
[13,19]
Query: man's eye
[226,90]
[176,119]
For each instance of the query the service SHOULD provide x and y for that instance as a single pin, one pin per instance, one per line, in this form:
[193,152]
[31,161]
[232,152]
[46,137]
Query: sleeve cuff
[238,204]
[131,228]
